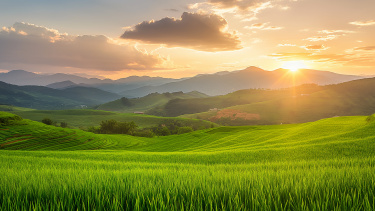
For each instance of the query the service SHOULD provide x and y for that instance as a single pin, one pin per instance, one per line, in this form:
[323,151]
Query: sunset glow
[294,65]
[177,39]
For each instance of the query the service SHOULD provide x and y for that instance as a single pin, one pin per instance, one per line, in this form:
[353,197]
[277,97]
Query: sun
[294,66]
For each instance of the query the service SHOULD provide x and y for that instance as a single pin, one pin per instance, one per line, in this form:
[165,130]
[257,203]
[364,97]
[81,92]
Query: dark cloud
[172,10]
[30,44]
[204,32]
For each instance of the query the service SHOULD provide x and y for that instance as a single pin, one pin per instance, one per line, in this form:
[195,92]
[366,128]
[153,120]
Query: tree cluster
[114,127]
[168,127]
[49,121]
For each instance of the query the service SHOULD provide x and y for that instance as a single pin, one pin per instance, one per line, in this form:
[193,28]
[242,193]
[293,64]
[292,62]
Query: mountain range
[219,83]
[40,97]
[147,102]
[61,81]
[249,78]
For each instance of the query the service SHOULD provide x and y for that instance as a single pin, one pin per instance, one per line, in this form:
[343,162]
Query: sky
[169,38]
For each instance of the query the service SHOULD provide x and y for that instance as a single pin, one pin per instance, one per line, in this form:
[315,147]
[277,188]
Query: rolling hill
[249,78]
[147,102]
[62,85]
[294,105]
[322,165]
[286,142]
[39,97]
[84,118]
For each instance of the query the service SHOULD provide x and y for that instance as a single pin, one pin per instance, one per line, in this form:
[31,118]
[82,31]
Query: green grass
[9,108]
[323,165]
[85,118]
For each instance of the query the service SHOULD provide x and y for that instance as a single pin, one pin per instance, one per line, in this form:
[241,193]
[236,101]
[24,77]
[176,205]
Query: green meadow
[324,165]
[84,118]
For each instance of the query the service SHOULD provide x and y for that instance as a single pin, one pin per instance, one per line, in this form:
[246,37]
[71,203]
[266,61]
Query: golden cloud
[204,32]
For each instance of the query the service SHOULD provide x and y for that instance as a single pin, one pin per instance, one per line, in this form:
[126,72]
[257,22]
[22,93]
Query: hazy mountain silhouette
[147,102]
[22,77]
[40,97]
[249,78]
[62,85]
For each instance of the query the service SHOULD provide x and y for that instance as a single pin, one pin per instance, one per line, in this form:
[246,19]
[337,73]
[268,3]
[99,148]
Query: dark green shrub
[63,124]
[185,129]
[47,121]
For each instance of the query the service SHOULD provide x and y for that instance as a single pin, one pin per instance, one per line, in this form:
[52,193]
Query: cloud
[347,59]
[314,47]
[329,35]
[172,10]
[366,48]
[286,45]
[340,32]
[322,38]
[363,23]
[25,43]
[204,32]
[246,10]
[245,5]
[263,26]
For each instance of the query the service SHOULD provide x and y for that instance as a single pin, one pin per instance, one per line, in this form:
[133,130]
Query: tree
[63,124]
[47,121]
[185,129]
[126,102]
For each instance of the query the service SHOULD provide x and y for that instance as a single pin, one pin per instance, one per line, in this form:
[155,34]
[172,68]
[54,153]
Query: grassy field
[323,165]
[85,118]
[13,108]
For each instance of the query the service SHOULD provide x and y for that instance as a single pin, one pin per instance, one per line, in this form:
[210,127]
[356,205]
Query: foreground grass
[323,165]
[92,180]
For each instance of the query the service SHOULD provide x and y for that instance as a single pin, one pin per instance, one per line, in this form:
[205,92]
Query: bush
[144,133]
[47,121]
[126,102]
[63,124]
[370,118]
[185,129]
[114,127]
[162,131]
[93,129]
[8,119]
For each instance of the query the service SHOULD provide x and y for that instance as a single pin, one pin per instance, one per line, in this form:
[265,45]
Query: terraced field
[30,135]
[323,165]
[86,118]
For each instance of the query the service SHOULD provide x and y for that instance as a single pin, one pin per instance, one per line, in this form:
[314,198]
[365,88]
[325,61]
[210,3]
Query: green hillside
[13,108]
[19,134]
[178,107]
[84,118]
[324,165]
[40,97]
[346,99]
[147,102]
[311,139]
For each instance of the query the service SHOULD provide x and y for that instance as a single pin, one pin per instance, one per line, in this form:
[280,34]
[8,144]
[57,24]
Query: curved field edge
[84,118]
[327,138]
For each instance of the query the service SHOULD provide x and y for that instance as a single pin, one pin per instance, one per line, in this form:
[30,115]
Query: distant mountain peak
[61,85]
[253,68]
